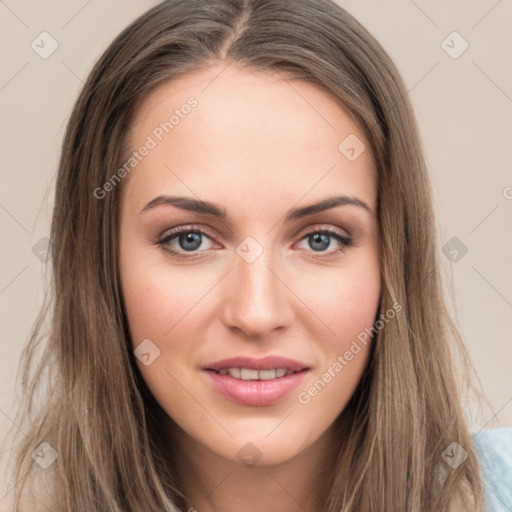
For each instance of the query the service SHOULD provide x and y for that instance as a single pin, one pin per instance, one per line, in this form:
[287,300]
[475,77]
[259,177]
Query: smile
[255,388]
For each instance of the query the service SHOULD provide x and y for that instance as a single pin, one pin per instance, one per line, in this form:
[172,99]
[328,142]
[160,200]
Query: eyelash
[346,242]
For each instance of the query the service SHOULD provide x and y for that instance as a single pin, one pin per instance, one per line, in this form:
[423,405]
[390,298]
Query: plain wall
[464,108]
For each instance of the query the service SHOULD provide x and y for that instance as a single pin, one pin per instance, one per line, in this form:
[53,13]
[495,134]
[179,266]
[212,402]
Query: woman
[247,312]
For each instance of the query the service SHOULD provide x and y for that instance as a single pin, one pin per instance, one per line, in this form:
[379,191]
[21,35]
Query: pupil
[190,241]
[321,238]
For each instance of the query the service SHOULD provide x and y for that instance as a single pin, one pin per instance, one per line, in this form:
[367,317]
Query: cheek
[355,303]
[171,307]
[343,300]
[346,301]
[165,305]
[159,299]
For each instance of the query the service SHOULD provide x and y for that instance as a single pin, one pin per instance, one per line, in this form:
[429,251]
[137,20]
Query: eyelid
[323,227]
[185,228]
[307,230]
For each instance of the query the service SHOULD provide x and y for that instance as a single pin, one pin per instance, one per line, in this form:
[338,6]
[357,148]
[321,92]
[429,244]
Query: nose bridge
[258,301]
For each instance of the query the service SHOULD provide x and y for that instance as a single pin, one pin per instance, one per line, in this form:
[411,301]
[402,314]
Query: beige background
[464,106]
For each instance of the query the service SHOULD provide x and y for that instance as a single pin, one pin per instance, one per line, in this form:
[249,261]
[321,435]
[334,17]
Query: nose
[257,298]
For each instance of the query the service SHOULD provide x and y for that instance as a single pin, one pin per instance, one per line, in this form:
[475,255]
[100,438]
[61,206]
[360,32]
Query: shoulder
[494,448]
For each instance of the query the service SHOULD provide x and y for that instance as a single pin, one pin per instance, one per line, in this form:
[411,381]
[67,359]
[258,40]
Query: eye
[183,240]
[320,240]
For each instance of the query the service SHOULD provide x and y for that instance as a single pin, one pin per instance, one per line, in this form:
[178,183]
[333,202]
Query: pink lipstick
[256,381]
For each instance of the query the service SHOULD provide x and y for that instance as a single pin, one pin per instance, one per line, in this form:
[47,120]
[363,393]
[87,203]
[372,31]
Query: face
[231,277]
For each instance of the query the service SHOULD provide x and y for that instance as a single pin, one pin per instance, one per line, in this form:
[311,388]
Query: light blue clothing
[494,447]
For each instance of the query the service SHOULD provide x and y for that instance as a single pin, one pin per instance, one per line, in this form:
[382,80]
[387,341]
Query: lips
[256,382]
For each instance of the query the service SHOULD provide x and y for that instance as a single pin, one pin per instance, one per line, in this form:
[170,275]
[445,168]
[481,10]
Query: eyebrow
[205,207]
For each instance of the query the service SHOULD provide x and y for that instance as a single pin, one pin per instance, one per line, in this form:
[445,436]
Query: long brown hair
[95,410]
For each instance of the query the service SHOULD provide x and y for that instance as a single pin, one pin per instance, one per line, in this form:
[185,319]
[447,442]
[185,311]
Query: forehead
[248,131]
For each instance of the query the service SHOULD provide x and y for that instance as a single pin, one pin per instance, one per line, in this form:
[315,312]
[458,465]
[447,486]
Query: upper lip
[264,363]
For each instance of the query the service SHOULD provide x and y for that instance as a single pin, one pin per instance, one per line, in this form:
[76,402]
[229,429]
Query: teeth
[267,374]
[246,374]
[235,372]
[251,374]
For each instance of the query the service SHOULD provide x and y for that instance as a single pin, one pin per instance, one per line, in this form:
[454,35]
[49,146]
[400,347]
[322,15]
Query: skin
[258,146]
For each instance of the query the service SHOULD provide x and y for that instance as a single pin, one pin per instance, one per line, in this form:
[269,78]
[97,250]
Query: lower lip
[255,393]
